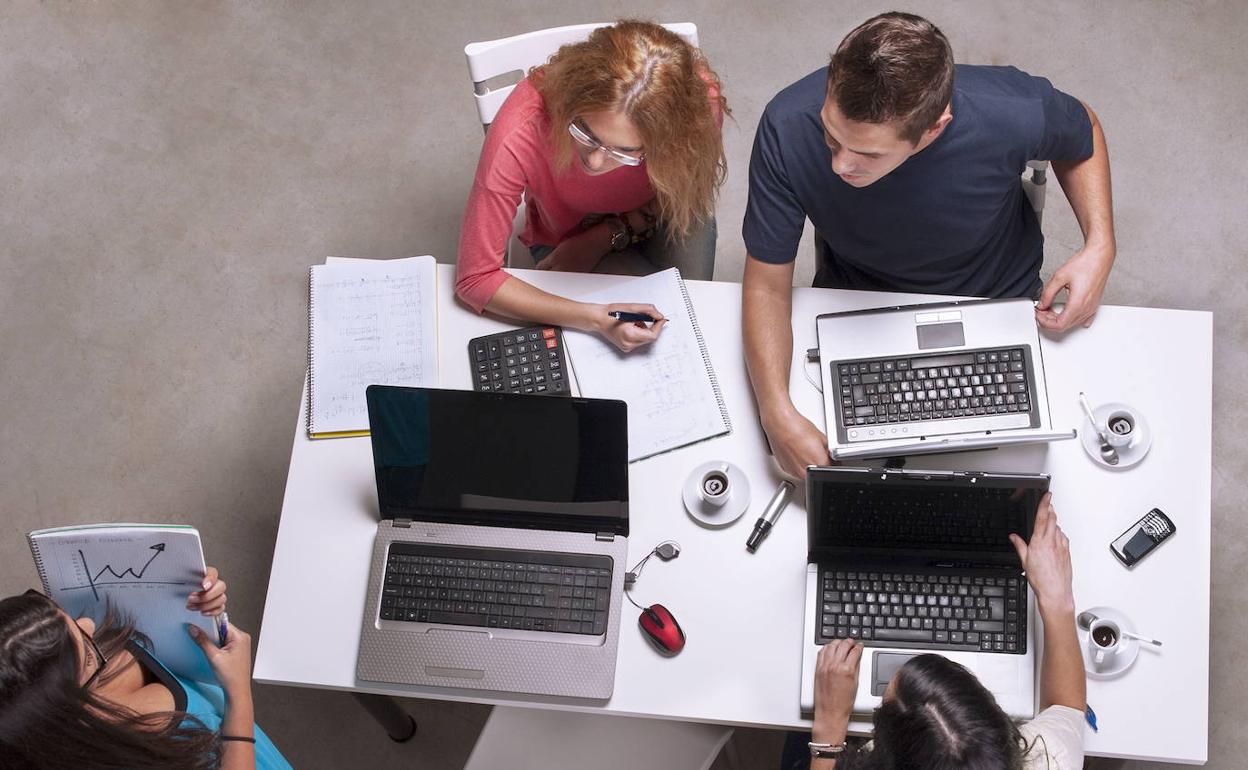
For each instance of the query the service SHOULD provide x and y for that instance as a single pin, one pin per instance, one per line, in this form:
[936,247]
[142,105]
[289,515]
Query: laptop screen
[939,516]
[500,460]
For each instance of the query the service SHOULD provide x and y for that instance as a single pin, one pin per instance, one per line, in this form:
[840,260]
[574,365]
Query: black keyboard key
[902,635]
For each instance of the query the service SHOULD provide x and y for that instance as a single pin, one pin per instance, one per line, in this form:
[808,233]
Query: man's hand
[836,685]
[1046,559]
[796,443]
[1083,276]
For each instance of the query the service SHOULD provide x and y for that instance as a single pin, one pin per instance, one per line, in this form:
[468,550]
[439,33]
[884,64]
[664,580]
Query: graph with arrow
[94,580]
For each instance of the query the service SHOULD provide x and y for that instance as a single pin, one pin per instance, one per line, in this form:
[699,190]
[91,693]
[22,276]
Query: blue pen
[624,315]
[1090,715]
[223,628]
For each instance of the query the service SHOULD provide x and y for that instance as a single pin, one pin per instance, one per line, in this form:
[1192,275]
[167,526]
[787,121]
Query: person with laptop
[614,145]
[936,713]
[908,166]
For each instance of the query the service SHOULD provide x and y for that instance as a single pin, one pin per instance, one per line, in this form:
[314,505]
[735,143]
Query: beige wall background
[168,171]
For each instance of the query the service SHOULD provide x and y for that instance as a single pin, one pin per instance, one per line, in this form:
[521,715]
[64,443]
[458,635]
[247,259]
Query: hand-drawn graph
[93,580]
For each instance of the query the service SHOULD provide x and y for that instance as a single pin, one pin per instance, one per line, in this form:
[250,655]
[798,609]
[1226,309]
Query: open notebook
[369,322]
[670,387]
[146,571]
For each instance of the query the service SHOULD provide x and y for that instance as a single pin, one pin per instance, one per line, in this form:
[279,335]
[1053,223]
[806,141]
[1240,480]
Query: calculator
[528,360]
[1142,537]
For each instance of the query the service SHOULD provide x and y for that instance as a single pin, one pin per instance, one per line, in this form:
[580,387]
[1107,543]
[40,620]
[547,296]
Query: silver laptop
[943,377]
[499,561]
[912,562]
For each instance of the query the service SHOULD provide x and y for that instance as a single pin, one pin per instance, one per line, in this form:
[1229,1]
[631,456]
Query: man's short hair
[893,67]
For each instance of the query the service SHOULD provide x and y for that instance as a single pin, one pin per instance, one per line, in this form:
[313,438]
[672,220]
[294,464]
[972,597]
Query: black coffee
[1104,636]
[715,484]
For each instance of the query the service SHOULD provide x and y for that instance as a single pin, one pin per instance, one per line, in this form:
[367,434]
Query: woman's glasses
[586,140]
[100,660]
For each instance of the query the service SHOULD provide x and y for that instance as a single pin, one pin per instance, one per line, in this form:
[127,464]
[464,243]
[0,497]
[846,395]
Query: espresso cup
[1104,643]
[1120,428]
[714,486]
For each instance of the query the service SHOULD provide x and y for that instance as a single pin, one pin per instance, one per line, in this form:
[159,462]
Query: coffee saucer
[721,515]
[1129,455]
[1126,657]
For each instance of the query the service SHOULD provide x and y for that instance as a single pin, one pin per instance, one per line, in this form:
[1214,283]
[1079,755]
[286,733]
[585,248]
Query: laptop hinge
[606,537]
[405,523]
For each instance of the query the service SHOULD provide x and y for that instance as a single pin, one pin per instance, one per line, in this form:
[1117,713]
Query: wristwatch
[826,750]
[621,235]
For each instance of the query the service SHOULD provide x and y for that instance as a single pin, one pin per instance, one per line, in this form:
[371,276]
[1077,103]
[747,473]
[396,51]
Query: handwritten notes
[670,387]
[370,322]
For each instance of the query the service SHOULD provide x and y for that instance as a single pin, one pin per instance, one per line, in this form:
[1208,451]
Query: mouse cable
[810,356]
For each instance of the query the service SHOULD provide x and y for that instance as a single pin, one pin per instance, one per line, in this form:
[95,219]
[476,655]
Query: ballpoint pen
[624,315]
[222,623]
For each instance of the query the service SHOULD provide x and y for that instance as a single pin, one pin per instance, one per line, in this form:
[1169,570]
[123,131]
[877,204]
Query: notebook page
[672,397]
[372,322]
[146,572]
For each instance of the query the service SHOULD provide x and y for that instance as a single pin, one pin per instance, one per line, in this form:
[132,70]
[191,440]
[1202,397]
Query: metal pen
[775,507]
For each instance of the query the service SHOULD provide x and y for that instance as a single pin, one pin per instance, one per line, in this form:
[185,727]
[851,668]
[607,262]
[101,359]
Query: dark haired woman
[77,695]
[935,714]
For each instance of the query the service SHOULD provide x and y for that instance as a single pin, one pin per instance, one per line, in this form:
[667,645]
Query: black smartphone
[1142,537]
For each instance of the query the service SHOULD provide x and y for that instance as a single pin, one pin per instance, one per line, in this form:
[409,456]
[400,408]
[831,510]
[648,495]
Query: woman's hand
[628,335]
[836,686]
[210,599]
[1046,560]
[231,662]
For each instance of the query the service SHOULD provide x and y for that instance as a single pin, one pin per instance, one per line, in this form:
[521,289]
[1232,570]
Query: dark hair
[49,720]
[941,718]
[895,66]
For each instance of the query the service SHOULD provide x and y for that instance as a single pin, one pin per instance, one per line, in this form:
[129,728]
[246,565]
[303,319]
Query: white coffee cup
[1105,642]
[714,487]
[1120,427]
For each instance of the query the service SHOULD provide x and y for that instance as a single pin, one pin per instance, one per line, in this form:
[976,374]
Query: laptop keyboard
[887,391]
[490,588]
[924,611]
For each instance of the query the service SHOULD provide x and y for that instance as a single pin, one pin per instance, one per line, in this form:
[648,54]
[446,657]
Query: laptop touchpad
[947,335]
[885,665]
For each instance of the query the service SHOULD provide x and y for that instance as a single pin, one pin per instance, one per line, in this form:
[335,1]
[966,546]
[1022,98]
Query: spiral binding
[311,301]
[43,574]
[706,356]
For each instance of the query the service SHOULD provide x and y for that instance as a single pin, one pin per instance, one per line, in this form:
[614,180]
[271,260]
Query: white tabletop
[743,613]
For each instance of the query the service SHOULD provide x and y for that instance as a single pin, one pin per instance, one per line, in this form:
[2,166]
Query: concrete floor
[171,169]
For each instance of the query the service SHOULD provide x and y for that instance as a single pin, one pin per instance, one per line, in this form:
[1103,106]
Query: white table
[743,613]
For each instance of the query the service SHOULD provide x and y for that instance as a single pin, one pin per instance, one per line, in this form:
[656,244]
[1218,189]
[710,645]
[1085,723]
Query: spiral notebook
[146,571]
[370,322]
[670,386]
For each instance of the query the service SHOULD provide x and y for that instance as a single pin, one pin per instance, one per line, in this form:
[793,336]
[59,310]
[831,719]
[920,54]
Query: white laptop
[941,377]
[912,562]
[499,561]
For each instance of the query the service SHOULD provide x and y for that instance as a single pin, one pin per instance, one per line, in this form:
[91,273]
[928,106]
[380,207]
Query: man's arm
[1087,187]
[766,326]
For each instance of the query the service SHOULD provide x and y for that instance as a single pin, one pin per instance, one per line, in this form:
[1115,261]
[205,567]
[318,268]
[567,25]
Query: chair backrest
[1034,185]
[492,58]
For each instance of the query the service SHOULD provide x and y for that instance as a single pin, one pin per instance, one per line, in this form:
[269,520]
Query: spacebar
[902,635]
[458,618]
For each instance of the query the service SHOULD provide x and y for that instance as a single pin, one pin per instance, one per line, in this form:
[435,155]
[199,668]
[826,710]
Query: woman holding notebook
[74,694]
[614,145]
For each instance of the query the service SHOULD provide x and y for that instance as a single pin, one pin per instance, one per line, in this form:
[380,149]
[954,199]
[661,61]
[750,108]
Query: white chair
[508,60]
[535,739]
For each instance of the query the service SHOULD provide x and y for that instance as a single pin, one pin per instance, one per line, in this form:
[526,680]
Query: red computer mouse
[662,629]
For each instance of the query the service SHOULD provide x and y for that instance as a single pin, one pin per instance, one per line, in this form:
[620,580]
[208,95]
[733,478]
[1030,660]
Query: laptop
[943,377]
[912,562]
[498,563]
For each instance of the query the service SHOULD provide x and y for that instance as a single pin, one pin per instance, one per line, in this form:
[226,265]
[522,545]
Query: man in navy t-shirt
[909,169]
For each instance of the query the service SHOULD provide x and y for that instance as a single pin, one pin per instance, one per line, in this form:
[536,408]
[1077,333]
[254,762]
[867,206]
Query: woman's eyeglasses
[100,660]
[586,140]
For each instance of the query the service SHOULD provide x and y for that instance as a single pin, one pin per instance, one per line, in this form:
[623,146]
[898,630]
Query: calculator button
[529,390]
[480,354]
[495,350]
[548,333]
[534,336]
[540,388]
[513,384]
[552,344]
[510,350]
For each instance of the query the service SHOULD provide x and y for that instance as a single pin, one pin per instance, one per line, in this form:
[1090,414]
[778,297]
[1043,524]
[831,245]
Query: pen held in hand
[624,315]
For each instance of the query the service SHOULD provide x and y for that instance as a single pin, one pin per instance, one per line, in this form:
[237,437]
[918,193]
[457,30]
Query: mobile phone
[1142,537]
